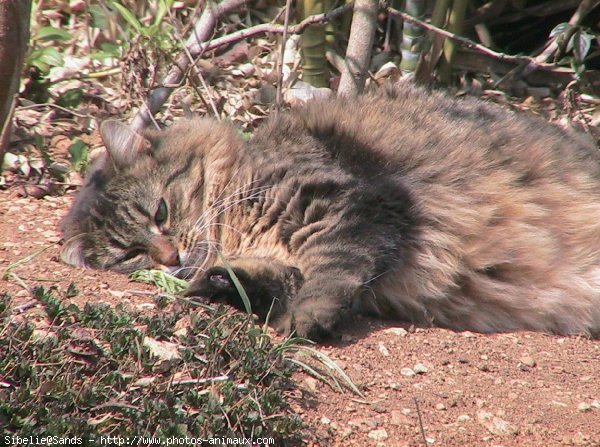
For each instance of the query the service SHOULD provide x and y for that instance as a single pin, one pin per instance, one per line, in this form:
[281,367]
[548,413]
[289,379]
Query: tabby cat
[404,202]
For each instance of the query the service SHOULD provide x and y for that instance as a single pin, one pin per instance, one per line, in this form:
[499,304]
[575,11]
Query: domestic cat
[403,202]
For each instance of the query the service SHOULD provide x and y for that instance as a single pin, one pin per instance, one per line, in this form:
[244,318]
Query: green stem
[456,22]
[312,43]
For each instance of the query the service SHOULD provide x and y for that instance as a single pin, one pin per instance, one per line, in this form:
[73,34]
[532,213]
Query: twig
[200,381]
[421,428]
[159,95]
[114,404]
[485,12]
[467,42]
[197,72]
[268,28]
[286,22]
[23,307]
[367,402]
[54,106]
[140,292]
[8,271]
[13,276]
[202,32]
[93,75]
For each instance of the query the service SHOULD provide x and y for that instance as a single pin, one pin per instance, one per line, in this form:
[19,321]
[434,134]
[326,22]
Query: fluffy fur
[407,203]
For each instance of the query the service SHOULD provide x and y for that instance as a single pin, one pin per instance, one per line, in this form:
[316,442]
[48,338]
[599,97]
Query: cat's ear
[72,251]
[122,143]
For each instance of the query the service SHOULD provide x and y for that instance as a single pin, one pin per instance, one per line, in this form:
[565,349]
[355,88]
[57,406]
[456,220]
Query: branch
[199,43]
[202,31]
[464,41]
[527,65]
[360,44]
[270,28]
[286,25]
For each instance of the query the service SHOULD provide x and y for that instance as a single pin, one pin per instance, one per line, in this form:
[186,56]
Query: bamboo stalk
[455,25]
[432,47]
[412,37]
[312,44]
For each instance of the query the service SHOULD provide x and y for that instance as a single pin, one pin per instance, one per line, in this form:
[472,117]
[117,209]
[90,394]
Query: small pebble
[420,368]
[407,372]
[372,422]
[440,407]
[383,350]
[346,432]
[528,361]
[400,332]
[311,383]
[378,434]
[399,419]
[584,407]
[496,425]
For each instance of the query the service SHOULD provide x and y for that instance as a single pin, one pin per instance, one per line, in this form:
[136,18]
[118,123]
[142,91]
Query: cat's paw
[214,285]
[309,322]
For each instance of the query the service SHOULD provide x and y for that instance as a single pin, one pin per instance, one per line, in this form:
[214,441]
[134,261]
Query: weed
[89,373]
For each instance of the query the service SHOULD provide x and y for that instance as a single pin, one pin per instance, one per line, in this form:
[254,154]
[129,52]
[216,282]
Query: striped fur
[407,203]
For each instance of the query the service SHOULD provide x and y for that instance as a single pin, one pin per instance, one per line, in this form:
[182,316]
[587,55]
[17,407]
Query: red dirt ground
[519,389]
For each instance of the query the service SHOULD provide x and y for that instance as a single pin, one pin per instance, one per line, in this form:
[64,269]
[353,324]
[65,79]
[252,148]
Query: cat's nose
[164,252]
[171,259]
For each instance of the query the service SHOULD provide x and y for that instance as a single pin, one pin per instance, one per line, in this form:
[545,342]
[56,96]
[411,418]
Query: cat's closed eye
[162,214]
[134,253]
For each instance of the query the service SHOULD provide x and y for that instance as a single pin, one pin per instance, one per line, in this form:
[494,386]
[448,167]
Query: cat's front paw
[310,322]
[215,285]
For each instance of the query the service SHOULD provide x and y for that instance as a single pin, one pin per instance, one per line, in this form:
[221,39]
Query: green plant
[296,350]
[43,55]
[167,283]
[574,43]
[89,372]
[158,30]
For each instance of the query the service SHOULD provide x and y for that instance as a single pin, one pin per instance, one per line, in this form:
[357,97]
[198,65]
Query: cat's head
[144,202]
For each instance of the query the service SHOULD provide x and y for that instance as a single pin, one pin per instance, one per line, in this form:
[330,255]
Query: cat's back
[427,134]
